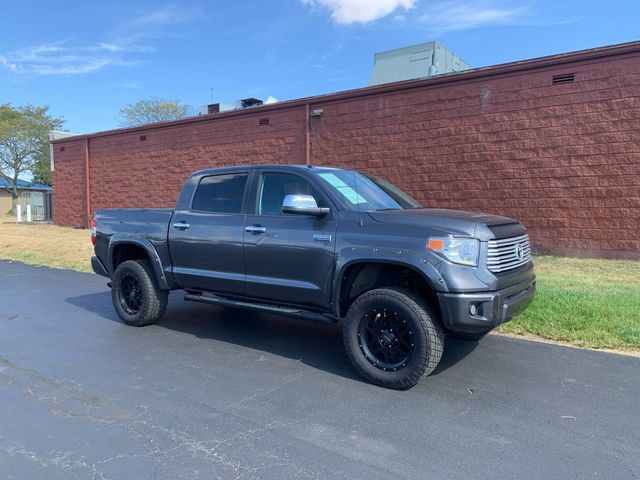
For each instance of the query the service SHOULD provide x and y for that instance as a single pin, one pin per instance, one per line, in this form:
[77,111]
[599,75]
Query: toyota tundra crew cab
[327,245]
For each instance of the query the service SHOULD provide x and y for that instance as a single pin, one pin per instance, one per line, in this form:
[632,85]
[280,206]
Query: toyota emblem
[519,251]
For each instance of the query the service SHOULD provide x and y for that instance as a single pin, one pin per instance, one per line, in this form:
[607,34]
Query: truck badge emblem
[321,237]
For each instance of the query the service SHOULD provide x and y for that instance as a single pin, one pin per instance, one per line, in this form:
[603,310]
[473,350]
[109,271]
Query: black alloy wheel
[135,293]
[393,337]
[385,339]
[130,294]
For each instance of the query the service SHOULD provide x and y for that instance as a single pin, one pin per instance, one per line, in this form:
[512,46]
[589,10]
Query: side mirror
[303,205]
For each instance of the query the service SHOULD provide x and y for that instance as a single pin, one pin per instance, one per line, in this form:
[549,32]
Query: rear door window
[220,193]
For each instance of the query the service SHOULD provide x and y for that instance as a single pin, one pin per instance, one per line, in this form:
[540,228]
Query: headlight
[463,251]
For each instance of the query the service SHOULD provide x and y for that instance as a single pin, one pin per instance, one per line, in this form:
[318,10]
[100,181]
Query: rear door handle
[255,229]
[181,225]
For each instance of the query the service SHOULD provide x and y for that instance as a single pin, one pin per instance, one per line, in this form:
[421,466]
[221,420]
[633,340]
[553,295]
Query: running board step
[260,307]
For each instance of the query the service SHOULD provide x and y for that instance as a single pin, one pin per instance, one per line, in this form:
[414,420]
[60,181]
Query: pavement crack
[469,398]
[268,391]
[61,398]
[63,460]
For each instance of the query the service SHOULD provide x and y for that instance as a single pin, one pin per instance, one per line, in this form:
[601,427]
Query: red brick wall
[69,200]
[128,172]
[564,159]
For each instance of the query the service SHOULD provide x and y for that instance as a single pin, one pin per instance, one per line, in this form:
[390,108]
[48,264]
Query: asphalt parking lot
[213,393]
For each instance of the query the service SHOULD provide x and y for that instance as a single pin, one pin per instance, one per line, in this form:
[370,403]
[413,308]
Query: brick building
[553,141]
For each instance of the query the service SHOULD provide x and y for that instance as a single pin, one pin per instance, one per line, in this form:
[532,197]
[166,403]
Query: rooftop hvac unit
[249,102]
[416,61]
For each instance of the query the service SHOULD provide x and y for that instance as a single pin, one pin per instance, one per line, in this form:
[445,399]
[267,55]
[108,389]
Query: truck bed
[151,224]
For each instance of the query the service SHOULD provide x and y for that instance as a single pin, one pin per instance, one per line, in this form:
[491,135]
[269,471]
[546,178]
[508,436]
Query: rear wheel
[393,337]
[135,295]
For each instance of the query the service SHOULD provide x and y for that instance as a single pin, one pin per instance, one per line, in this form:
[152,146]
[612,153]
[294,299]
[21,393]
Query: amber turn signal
[436,245]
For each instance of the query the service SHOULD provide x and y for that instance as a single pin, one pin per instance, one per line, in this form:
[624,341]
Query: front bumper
[491,308]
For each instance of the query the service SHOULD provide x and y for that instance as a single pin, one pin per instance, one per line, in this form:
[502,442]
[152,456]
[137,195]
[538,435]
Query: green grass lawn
[586,302]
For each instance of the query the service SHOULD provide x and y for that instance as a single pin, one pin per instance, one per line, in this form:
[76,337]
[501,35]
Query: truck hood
[456,222]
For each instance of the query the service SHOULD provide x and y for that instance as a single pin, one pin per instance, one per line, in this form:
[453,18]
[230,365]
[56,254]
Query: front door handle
[181,225]
[255,229]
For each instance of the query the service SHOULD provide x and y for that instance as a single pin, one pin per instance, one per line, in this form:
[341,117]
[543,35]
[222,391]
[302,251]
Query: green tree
[24,144]
[42,169]
[153,110]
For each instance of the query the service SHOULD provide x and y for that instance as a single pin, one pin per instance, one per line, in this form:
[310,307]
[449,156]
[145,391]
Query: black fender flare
[147,246]
[425,269]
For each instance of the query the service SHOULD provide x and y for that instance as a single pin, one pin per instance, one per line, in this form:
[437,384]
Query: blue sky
[88,59]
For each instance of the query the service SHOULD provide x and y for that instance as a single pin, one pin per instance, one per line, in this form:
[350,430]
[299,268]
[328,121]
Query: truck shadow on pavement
[317,345]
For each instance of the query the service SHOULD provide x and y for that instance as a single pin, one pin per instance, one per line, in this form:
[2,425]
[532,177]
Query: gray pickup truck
[327,245]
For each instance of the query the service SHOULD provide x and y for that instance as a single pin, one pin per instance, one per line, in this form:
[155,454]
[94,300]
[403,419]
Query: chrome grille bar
[508,253]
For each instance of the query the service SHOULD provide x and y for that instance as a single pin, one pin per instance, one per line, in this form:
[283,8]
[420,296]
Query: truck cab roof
[246,168]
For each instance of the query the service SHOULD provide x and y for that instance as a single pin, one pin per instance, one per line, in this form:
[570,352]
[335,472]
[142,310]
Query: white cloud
[82,66]
[171,14]
[132,44]
[12,67]
[345,12]
[66,58]
[464,14]
[270,99]
[110,47]
[127,85]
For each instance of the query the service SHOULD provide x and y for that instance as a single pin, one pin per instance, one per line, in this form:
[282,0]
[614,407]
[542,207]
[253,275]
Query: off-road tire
[152,300]
[419,317]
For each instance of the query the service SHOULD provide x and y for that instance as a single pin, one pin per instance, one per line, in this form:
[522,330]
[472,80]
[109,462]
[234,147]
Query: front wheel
[393,337]
[135,295]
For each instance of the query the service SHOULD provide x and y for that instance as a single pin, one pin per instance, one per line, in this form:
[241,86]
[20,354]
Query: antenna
[211,94]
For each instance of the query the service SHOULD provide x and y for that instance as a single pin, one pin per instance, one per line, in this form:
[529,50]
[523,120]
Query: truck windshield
[366,192]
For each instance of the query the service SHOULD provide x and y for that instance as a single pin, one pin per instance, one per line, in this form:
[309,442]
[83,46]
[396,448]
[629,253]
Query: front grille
[508,253]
